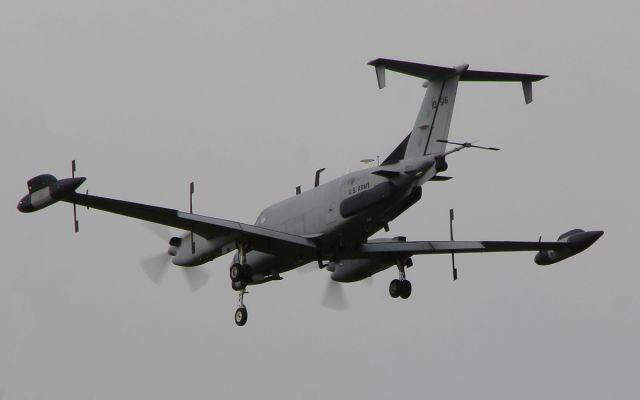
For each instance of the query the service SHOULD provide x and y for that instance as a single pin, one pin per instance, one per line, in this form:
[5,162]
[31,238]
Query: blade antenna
[191,191]
[453,254]
[540,243]
[467,145]
[76,224]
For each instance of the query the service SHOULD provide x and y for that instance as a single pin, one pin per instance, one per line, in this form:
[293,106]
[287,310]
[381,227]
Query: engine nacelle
[45,190]
[358,269]
[205,250]
[577,240]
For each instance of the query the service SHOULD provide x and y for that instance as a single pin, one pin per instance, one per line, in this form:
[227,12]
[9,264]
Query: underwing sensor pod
[333,223]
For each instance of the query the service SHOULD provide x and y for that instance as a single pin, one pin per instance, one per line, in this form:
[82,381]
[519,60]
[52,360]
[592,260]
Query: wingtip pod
[576,241]
[45,190]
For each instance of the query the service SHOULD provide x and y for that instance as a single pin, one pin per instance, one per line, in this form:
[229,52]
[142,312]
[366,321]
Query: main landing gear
[240,274]
[401,287]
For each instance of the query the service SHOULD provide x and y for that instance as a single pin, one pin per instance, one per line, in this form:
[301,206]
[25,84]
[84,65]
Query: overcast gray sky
[249,99]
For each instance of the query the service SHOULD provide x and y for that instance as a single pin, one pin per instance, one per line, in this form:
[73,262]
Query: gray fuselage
[342,213]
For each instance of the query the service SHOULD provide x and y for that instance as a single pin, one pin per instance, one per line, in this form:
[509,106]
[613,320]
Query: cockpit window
[261,219]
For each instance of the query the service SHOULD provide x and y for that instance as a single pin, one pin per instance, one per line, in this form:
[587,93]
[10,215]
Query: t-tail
[431,128]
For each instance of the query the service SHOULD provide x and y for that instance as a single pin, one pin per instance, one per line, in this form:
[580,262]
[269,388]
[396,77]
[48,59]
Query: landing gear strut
[240,274]
[401,287]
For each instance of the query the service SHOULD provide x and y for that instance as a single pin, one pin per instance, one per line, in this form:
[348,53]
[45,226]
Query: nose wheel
[241,316]
[400,287]
[240,274]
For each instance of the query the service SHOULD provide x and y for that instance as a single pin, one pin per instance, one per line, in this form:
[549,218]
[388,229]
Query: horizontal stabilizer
[431,72]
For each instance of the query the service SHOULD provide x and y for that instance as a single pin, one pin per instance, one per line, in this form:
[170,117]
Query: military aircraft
[331,223]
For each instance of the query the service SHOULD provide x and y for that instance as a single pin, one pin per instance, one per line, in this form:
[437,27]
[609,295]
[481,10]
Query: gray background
[248,99]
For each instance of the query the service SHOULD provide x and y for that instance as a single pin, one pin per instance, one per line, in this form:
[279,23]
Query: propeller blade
[156,266]
[161,231]
[334,296]
[196,277]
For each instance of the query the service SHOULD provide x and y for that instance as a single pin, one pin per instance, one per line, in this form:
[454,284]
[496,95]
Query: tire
[241,316]
[405,289]
[238,285]
[395,288]
[235,272]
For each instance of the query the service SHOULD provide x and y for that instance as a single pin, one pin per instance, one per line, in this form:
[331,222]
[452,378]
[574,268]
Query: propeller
[156,266]
[334,297]
[161,231]
[196,277]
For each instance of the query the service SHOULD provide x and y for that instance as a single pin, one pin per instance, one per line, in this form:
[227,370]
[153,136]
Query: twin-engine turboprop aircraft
[331,223]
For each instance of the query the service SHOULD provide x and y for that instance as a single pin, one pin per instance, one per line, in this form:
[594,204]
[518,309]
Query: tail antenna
[191,191]
[453,254]
[76,224]
[467,145]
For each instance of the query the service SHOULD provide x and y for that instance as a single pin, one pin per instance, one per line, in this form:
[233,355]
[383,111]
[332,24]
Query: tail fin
[434,117]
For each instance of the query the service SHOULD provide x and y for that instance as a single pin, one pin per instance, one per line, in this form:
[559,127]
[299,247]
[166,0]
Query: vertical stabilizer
[434,117]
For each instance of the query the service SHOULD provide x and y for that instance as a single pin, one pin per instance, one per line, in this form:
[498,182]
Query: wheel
[395,288]
[235,272]
[238,285]
[405,289]
[238,272]
[241,316]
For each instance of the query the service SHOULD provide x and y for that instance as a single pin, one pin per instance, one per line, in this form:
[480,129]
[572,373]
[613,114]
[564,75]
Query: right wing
[446,247]
[568,244]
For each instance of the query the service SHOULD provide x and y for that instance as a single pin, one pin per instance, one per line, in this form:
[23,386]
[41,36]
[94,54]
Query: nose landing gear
[241,313]
[240,274]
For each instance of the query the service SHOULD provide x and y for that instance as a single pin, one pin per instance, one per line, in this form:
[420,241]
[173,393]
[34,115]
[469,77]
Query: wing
[446,247]
[568,244]
[261,239]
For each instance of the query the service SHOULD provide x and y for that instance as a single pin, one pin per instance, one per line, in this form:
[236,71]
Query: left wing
[568,244]
[258,238]
[45,190]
